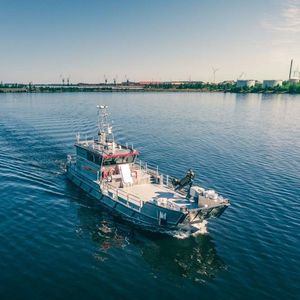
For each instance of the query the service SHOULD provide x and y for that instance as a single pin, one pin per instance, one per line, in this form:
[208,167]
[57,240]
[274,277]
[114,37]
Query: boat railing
[71,159]
[153,171]
[116,193]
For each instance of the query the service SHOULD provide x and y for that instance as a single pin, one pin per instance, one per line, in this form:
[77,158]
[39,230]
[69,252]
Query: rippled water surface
[57,243]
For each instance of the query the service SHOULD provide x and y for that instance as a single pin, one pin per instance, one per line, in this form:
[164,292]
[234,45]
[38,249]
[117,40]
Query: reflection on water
[195,258]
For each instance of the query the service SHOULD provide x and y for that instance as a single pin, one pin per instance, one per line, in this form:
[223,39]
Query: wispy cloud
[288,21]
[283,31]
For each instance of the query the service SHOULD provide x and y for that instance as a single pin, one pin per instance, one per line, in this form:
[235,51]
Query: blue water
[57,243]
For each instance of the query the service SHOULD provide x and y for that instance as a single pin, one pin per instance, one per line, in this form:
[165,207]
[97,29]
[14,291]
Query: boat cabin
[94,157]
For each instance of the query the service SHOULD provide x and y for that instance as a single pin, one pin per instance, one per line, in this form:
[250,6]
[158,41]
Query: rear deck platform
[149,192]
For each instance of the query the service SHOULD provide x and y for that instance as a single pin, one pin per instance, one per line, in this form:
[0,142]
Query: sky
[43,41]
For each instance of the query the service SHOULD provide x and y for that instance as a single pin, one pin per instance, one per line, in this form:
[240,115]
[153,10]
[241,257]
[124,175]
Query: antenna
[105,79]
[102,117]
[215,70]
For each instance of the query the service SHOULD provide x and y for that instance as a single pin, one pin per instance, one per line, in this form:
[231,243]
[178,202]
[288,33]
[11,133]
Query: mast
[105,134]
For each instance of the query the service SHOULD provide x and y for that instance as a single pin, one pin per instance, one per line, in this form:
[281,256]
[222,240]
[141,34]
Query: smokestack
[291,68]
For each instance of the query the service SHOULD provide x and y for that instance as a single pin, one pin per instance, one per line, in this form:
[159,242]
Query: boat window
[96,159]
[90,156]
[109,161]
[81,152]
[118,160]
[128,159]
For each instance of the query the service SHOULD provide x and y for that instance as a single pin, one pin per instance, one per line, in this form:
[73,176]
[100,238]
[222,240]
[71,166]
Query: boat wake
[202,228]
[183,234]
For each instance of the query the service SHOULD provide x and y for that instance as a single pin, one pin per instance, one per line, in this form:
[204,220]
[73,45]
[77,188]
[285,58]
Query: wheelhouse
[100,161]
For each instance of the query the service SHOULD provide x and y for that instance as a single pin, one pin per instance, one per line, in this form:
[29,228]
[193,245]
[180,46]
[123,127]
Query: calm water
[56,243]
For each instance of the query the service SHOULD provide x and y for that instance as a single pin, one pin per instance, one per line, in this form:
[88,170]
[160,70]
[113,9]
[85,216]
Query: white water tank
[245,83]
[271,83]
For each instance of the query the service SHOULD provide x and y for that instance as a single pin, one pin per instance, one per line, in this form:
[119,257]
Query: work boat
[113,174]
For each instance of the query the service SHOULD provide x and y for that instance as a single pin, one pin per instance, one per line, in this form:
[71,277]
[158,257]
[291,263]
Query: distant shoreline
[16,91]
[285,88]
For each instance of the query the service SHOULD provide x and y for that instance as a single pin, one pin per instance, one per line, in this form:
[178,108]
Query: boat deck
[148,192]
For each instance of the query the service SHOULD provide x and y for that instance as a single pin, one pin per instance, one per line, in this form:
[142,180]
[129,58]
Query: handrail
[137,200]
[152,170]
[128,196]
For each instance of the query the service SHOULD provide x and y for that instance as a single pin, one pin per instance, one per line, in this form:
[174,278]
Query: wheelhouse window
[81,152]
[118,160]
[96,159]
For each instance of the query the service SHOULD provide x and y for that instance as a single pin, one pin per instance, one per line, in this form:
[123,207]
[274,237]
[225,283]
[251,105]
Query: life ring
[134,172]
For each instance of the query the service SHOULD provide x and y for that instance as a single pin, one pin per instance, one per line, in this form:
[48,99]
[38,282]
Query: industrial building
[245,83]
[294,80]
[271,83]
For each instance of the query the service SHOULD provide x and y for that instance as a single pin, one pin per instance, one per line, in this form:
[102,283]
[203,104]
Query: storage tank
[271,83]
[245,83]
